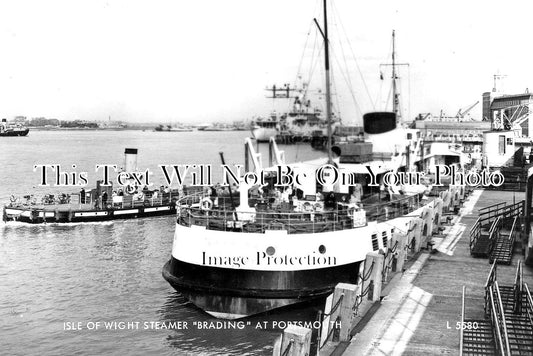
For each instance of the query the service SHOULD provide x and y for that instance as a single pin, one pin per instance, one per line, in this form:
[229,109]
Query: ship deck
[421,307]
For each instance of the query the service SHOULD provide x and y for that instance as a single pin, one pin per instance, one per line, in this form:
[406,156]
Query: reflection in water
[206,334]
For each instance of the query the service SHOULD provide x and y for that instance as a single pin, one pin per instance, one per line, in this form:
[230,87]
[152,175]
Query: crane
[461,113]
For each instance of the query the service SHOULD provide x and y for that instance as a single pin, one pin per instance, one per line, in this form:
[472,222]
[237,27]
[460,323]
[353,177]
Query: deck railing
[191,211]
[75,200]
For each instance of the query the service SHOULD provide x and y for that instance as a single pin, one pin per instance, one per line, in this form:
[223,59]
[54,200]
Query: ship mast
[394,89]
[395,95]
[328,80]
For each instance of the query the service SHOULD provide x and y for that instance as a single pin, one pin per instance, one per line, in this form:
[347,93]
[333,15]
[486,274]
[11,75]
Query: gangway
[502,251]
[489,236]
[482,244]
[508,325]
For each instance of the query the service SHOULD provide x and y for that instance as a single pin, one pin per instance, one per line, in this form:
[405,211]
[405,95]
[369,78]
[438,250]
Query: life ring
[318,207]
[206,204]
[13,198]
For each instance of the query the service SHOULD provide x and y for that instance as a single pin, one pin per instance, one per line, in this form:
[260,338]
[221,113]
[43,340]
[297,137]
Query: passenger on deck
[330,201]
[82,196]
[213,195]
[104,200]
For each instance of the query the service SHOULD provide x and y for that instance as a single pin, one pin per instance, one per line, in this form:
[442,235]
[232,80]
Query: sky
[207,60]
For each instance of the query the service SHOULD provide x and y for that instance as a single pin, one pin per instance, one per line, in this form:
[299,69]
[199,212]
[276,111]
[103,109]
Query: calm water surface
[105,272]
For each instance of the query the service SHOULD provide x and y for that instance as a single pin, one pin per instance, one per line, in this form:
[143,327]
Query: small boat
[170,128]
[9,129]
[99,204]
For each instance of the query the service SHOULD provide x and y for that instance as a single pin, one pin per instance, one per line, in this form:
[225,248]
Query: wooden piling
[295,341]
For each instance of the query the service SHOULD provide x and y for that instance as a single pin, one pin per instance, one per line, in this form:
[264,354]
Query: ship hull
[231,274]
[15,133]
[232,294]
[262,134]
[63,215]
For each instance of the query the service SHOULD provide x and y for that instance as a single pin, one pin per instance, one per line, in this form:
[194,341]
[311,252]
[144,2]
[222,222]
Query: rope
[411,244]
[335,307]
[330,332]
[365,278]
[286,352]
[359,299]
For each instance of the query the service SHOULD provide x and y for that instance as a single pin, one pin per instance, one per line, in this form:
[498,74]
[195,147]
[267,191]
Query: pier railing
[494,232]
[461,331]
[504,210]
[529,303]
[490,282]
[498,321]
[517,289]
[476,233]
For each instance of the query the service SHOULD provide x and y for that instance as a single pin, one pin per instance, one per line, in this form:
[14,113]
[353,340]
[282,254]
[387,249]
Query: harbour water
[61,284]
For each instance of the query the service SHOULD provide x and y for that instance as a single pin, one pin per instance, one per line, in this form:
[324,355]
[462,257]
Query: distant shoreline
[38,128]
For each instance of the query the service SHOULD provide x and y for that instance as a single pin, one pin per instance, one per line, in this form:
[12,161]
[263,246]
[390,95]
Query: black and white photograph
[285,178]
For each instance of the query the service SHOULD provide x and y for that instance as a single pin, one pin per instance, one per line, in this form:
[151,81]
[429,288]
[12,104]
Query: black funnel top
[379,122]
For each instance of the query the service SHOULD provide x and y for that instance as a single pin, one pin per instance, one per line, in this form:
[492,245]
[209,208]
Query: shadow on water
[254,335]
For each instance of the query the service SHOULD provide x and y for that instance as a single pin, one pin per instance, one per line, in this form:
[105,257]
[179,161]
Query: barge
[99,204]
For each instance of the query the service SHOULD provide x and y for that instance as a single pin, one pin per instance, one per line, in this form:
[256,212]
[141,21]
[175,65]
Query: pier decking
[419,313]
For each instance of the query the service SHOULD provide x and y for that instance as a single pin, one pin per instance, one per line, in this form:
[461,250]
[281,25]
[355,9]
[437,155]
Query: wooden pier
[420,317]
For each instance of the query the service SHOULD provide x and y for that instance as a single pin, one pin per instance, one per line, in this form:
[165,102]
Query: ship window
[409,136]
[501,145]
[509,140]
[375,245]
[384,238]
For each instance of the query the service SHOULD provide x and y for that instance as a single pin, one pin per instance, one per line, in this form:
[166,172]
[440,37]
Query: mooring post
[344,312]
[375,262]
[295,341]
[400,251]
[418,232]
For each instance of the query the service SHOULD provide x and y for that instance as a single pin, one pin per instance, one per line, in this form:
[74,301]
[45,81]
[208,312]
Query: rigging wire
[354,57]
[345,77]
[389,55]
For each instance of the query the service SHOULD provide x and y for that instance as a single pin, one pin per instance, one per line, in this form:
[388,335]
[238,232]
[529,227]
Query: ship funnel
[130,160]
[379,122]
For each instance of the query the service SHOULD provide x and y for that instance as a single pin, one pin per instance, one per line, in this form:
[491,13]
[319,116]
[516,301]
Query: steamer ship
[7,129]
[270,246]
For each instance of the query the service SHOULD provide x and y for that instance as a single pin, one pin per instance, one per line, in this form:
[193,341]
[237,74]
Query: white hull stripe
[161,208]
[123,212]
[99,213]
[48,214]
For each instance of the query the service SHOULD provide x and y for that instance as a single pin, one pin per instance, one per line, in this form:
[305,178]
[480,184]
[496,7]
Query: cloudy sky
[208,60]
